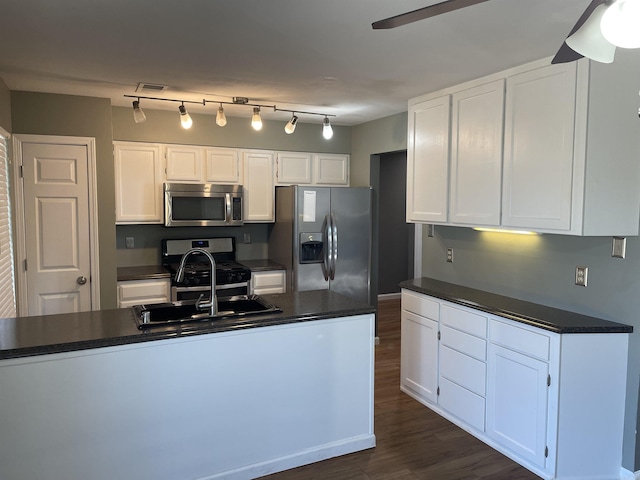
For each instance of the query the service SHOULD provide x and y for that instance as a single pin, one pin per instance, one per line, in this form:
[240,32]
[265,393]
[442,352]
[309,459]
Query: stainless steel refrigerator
[323,235]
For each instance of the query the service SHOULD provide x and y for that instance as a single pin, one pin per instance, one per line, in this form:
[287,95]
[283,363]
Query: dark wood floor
[412,441]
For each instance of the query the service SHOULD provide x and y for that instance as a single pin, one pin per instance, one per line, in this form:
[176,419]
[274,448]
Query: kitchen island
[90,396]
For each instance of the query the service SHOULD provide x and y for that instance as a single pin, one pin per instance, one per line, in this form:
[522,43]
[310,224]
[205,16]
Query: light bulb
[185,119]
[256,121]
[138,114]
[327,131]
[221,118]
[290,127]
[621,24]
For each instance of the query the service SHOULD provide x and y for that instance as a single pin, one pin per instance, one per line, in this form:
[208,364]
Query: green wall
[5,107]
[68,115]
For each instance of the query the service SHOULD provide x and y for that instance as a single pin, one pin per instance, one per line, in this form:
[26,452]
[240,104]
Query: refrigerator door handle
[334,245]
[326,247]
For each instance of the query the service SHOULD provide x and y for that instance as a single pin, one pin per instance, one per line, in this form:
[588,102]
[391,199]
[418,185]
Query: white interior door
[58,243]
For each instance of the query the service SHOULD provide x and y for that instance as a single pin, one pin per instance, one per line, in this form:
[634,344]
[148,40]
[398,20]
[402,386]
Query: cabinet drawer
[463,342]
[462,403]
[519,339]
[268,279]
[464,320]
[420,305]
[142,289]
[463,370]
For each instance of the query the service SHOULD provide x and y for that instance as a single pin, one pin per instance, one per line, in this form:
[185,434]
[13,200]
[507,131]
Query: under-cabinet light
[504,230]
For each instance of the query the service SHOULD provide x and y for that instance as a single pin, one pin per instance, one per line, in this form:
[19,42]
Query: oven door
[193,293]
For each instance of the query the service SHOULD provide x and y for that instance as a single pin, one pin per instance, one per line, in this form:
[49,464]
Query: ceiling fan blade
[566,54]
[422,13]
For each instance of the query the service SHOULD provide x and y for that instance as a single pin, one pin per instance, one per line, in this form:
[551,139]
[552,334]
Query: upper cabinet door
[138,183]
[184,164]
[223,166]
[476,155]
[331,169]
[258,187]
[539,155]
[293,168]
[428,160]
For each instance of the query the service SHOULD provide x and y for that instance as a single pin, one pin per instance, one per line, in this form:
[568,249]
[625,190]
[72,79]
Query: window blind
[7,278]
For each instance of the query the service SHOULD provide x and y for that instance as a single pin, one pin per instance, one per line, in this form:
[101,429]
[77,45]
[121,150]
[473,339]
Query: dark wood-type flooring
[412,441]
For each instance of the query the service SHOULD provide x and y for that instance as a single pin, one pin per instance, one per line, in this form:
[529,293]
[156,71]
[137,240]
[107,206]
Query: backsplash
[147,240]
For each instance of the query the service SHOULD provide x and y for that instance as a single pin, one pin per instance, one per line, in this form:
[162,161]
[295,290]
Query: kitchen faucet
[212,304]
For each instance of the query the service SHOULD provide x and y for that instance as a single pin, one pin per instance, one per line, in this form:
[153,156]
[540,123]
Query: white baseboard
[388,296]
[305,457]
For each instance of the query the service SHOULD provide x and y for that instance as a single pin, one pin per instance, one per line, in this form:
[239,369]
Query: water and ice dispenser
[311,247]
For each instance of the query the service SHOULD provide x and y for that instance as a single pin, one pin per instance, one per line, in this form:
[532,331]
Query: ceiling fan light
[327,131]
[138,114]
[621,24]
[221,118]
[256,121]
[290,127]
[589,40]
[185,118]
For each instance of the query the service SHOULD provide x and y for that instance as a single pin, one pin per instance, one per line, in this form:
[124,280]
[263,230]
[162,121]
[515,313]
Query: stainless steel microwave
[202,205]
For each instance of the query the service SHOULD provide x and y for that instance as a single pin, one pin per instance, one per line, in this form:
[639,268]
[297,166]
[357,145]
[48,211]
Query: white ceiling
[312,55]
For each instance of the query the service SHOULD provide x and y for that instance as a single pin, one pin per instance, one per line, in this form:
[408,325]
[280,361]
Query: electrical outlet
[619,247]
[130,242]
[430,230]
[450,255]
[247,238]
[581,276]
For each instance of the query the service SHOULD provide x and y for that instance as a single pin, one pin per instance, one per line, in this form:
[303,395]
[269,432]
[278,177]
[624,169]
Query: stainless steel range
[232,278]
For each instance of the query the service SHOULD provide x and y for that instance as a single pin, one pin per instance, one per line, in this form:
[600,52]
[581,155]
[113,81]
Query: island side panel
[228,405]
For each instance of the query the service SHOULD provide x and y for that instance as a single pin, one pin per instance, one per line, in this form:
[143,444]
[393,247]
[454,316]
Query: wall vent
[150,88]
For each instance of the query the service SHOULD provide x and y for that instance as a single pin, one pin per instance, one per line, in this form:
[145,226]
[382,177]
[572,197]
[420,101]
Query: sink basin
[159,314]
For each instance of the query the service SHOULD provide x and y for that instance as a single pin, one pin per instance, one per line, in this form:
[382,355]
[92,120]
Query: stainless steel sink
[160,314]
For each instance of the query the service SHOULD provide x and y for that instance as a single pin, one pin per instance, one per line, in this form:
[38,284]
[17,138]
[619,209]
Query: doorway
[56,224]
[394,237]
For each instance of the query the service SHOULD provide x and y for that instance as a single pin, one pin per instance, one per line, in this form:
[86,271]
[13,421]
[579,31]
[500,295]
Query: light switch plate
[619,247]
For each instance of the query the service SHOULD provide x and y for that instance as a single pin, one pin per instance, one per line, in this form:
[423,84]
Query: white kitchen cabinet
[223,166]
[258,186]
[476,155]
[419,347]
[139,292]
[539,153]
[195,164]
[185,163]
[268,281]
[138,182]
[428,160]
[546,400]
[569,163]
[330,169]
[293,168]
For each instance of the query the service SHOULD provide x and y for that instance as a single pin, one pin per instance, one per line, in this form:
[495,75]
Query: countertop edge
[539,316]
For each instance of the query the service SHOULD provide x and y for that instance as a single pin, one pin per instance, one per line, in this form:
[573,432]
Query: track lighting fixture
[185,118]
[221,119]
[290,127]
[138,114]
[327,131]
[256,120]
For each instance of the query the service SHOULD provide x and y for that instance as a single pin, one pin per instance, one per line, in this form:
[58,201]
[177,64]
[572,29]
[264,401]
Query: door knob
[81,280]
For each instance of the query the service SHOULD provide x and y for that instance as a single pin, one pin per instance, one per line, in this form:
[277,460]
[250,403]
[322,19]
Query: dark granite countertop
[143,272]
[41,335]
[540,316]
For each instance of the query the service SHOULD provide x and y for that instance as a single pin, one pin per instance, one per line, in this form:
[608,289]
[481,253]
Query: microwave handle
[229,212]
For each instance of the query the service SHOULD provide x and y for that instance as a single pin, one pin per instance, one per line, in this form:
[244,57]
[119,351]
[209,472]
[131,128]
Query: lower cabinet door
[419,356]
[517,401]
